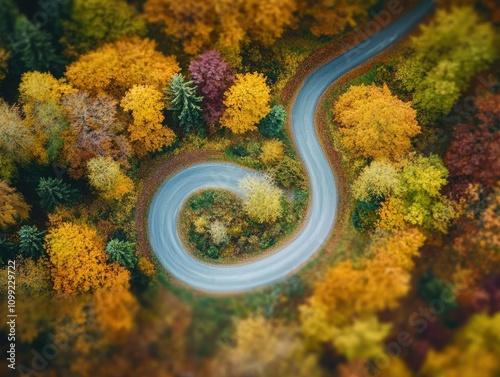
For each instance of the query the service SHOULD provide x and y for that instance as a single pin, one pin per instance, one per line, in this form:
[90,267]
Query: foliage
[262,198]
[431,288]
[79,263]
[212,76]
[94,22]
[34,50]
[218,232]
[12,206]
[121,252]
[31,242]
[94,131]
[256,338]
[16,140]
[443,58]
[361,340]
[105,176]
[116,67]
[53,191]
[272,124]
[272,152]
[4,63]
[473,351]
[182,99]
[332,17]
[193,22]
[474,150]
[247,102]
[418,199]
[40,95]
[147,134]
[365,215]
[377,180]
[289,173]
[374,123]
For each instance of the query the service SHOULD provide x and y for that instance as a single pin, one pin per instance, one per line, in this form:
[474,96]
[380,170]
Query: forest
[102,101]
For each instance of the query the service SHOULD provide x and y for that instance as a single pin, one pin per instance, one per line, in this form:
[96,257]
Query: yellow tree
[146,132]
[17,142]
[189,21]
[374,123]
[12,206]
[40,95]
[76,253]
[105,175]
[473,352]
[355,292]
[247,102]
[116,67]
[262,198]
[266,348]
[271,151]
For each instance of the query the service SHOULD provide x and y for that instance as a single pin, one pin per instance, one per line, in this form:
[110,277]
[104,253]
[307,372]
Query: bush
[365,214]
[272,124]
[288,173]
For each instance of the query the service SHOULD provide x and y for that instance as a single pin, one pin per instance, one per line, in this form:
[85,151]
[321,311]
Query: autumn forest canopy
[101,101]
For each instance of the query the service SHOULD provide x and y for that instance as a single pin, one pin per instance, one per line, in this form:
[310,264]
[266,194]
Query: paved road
[167,202]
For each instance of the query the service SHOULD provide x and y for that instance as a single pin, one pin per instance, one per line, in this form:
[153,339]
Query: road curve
[168,200]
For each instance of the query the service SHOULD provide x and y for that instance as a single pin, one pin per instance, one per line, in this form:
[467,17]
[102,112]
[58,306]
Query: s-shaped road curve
[167,202]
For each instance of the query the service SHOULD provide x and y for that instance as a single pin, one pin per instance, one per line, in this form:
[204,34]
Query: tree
[105,175]
[4,63]
[79,263]
[116,67]
[262,198]
[437,70]
[218,232]
[121,252]
[358,290]
[255,340]
[377,180]
[40,95]
[31,242]
[289,173]
[182,99]
[16,140]
[34,50]
[247,102]
[12,206]
[188,21]
[271,151]
[212,76]
[272,124]
[473,351]
[475,147]
[374,123]
[417,198]
[332,17]
[53,191]
[146,132]
[95,130]
[93,23]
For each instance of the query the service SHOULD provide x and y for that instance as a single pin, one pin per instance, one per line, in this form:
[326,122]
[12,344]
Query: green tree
[181,95]
[34,49]
[53,191]
[272,124]
[440,62]
[95,22]
[121,252]
[31,242]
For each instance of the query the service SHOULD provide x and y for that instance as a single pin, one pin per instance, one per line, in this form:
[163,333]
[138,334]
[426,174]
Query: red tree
[473,153]
[213,76]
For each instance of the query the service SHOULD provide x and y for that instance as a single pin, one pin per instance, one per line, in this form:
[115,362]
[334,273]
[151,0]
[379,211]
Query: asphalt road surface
[167,202]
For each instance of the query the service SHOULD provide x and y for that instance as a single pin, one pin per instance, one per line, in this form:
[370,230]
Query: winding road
[167,202]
